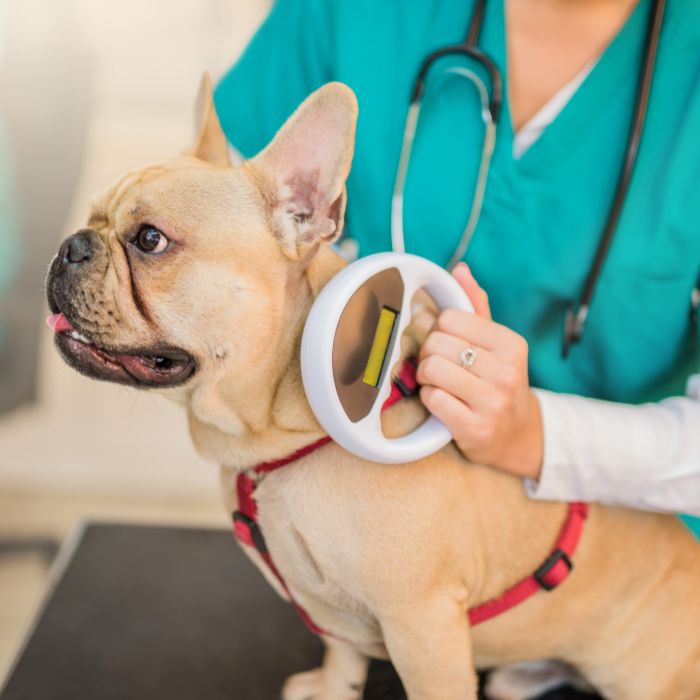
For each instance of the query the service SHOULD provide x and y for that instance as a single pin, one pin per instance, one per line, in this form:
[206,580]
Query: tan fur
[210,144]
[387,558]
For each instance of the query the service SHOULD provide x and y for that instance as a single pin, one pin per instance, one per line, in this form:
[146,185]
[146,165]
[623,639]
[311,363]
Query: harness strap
[403,385]
[247,529]
[549,575]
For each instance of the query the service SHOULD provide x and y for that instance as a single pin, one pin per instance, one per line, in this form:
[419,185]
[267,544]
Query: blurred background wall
[88,90]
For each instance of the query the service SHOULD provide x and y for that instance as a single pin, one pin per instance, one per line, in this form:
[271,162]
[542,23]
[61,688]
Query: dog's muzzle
[74,292]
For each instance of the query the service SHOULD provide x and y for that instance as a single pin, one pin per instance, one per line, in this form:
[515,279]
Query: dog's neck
[263,414]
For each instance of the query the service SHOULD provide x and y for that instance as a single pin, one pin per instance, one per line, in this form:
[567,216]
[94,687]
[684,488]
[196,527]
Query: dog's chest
[308,559]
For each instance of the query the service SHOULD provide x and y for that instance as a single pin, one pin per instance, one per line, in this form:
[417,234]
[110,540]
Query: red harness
[551,573]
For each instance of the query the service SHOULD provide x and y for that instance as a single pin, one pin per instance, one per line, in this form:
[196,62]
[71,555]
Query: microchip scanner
[351,342]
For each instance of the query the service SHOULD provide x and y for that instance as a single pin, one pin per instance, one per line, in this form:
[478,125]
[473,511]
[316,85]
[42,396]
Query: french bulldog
[194,278]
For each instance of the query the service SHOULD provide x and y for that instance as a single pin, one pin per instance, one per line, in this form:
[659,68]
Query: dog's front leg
[430,646]
[341,677]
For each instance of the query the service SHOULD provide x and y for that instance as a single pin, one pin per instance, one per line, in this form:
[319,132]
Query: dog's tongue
[58,323]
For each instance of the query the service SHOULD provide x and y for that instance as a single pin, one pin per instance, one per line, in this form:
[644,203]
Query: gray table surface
[151,613]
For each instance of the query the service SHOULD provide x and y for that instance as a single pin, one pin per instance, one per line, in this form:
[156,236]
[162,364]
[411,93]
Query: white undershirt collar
[533,128]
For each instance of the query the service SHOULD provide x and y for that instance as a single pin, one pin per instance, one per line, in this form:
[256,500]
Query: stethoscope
[491,98]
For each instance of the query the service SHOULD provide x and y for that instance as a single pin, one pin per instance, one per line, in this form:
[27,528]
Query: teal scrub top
[542,214]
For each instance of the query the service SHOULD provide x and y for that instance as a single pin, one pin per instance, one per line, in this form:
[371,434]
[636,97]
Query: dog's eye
[150,240]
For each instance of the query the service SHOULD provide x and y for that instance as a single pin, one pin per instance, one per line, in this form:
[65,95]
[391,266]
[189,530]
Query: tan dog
[195,277]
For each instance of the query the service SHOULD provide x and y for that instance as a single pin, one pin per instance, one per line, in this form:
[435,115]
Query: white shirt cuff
[645,457]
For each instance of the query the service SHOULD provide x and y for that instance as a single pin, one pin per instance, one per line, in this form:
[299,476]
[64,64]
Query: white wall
[145,59]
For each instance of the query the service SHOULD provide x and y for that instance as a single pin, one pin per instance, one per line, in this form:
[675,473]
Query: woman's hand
[489,407]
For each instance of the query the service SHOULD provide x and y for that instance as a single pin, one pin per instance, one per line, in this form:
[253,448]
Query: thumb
[476,294]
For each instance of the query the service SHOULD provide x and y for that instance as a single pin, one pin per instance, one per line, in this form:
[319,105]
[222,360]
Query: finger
[487,365]
[439,372]
[451,348]
[478,296]
[457,416]
[474,329]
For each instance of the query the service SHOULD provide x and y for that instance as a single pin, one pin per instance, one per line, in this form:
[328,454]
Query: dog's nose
[77,249]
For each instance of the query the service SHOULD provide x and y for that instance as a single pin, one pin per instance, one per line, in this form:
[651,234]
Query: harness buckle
[550,574]
[247,530]
[405,380]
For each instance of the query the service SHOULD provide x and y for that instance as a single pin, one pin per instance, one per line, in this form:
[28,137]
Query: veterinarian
[615,416]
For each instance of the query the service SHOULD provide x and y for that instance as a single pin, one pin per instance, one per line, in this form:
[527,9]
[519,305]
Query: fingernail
[465,267]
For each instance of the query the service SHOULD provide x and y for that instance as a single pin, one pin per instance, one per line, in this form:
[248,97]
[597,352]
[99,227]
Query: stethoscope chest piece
[351,342]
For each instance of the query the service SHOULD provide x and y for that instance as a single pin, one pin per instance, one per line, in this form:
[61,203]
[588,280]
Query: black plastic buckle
[549,563]
[254,529]
[405,390]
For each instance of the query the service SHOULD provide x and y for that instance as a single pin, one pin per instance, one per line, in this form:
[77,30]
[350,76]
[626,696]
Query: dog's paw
[303,686]
[313,685]
[530,679]
[424,312]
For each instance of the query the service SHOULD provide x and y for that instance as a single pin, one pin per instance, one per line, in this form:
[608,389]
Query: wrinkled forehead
[184,190]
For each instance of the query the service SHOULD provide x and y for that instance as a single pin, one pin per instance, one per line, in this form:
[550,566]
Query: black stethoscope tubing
[577,311]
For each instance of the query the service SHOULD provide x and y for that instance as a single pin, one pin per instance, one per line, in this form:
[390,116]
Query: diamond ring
[468,357]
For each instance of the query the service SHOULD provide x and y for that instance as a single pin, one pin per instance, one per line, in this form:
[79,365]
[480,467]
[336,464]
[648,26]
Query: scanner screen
[380,346]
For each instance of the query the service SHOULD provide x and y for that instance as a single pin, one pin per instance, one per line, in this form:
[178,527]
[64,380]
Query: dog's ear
[210,144]
[306,166]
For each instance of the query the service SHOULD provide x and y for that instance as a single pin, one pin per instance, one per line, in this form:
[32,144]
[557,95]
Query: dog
[193,277]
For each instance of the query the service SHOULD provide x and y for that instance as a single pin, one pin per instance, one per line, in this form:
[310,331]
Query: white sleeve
[645,457]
